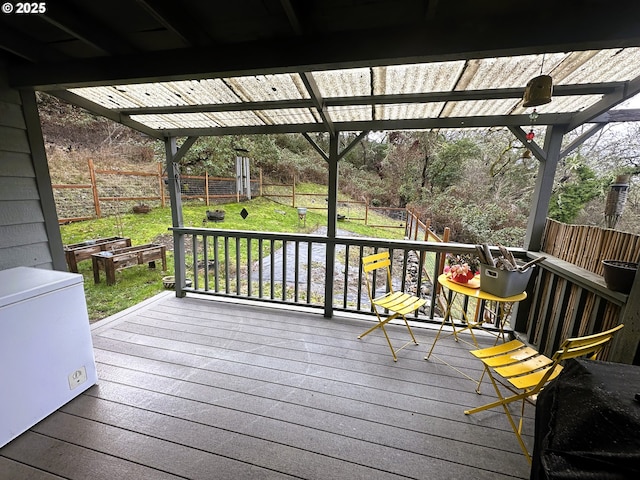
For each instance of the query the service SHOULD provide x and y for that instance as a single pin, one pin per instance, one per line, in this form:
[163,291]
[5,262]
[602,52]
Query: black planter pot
[619,275]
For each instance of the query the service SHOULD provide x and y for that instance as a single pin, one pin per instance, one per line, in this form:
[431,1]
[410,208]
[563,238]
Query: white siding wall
[28,233]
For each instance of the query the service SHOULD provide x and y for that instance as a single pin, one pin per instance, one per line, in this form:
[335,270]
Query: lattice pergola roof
[478,92]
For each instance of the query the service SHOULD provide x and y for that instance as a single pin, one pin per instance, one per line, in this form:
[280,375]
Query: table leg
[110,271]
[71,262]
[96,270]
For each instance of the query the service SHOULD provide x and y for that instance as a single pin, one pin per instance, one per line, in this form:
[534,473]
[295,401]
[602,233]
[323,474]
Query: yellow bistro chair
[525,372]
[398,304]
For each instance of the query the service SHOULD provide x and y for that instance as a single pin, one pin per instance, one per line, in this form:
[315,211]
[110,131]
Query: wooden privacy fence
[569,296]
[117,191]
[586,246]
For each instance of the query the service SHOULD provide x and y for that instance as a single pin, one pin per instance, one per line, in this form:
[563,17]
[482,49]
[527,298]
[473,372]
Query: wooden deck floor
[201,389]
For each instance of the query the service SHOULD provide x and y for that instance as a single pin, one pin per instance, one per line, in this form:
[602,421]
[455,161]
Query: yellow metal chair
[399,304]
[525,372]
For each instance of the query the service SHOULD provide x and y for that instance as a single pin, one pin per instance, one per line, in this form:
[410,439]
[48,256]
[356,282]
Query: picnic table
[111,261]
[78,252]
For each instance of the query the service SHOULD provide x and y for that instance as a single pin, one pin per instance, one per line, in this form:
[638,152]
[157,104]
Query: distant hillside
[72,136]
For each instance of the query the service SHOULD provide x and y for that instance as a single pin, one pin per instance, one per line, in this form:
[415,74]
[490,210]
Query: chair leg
[393,352]
[435,340]
[409,328]
[480,380]
[517,430]
[504,402]
[381,323]
[377,325]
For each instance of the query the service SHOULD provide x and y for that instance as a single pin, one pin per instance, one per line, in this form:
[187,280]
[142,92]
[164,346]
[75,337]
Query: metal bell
[538,91]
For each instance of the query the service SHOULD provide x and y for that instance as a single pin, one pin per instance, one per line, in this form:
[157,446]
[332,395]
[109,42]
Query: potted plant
[462,267]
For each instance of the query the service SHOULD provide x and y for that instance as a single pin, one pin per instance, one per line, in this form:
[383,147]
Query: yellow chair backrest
[589,345]
[376,262]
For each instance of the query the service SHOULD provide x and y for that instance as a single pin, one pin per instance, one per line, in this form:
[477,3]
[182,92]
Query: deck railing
[291,269]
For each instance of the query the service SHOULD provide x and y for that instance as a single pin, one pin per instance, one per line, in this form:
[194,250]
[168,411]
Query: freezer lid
[21,283]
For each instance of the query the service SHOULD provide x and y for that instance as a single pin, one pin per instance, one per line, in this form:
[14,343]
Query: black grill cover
[588,423]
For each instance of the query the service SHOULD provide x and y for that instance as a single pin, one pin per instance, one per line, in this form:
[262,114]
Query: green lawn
[138,283]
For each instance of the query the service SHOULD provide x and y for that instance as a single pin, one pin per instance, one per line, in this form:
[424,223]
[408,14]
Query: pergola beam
[452,96]
[607,102]
[373,125]
[318,102]
[107,113]
[520,134]
[582,138]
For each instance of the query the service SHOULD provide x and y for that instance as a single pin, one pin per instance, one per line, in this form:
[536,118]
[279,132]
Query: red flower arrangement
[462,268]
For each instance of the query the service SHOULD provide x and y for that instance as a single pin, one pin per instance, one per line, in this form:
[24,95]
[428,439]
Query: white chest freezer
[46,353]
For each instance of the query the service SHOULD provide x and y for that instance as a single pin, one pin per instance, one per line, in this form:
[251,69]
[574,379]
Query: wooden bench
[111,261]
[78,252]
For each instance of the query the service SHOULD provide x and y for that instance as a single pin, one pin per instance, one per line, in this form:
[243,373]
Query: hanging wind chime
[537,92]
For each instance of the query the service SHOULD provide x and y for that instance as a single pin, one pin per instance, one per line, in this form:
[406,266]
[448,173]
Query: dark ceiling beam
[26,47]
[105,112]
[90,32]
[292,16]
[454,96]
[378,125]
[427,43]
[172,17]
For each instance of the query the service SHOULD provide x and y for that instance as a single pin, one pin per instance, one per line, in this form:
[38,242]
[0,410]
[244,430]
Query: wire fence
[112,192]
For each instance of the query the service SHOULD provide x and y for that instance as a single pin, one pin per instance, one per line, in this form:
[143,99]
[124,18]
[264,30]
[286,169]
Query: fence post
[94,188]
[293,199]
[161,185]
[260,185]
[366,213]
[445,239]
[206,187]
[427,224]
